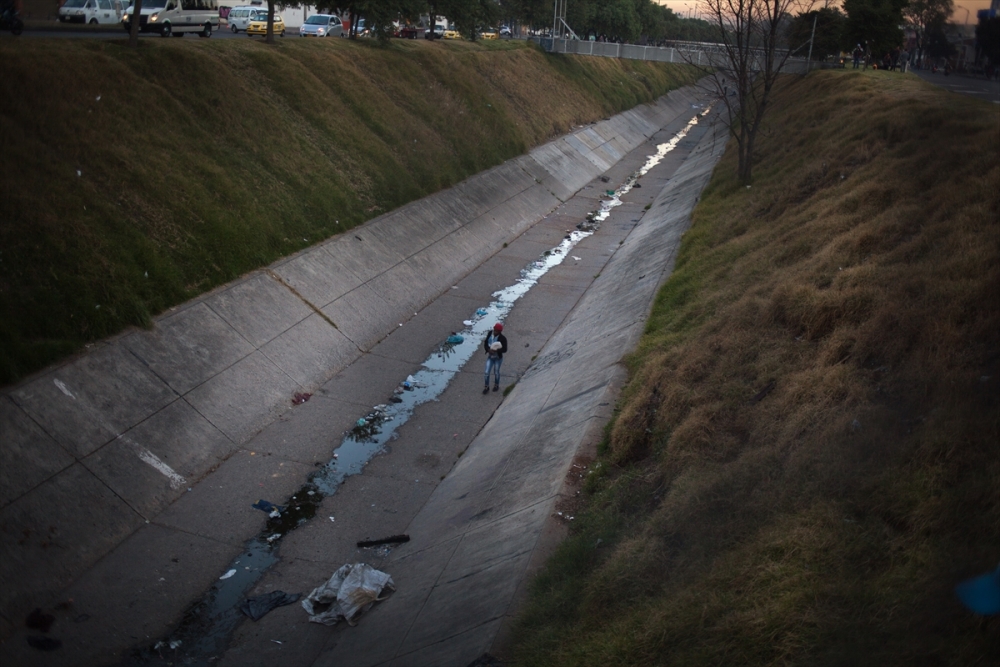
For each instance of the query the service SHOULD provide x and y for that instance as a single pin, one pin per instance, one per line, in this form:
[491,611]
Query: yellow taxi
[488,34]
[452,34]
[259,27]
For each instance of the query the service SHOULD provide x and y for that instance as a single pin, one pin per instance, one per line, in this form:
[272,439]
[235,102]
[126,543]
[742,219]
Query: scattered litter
[575,257]
[350,591]
[454,286]
[276,641]
[410,379]
[332,519]
[392,539]
[267,506]
[636,186]
[79,173]
[97,99]
[604,179]
[37,620]
[482,311]
[275,514]
[395,399]
[981,594]
[227,575]
[455,339]
[272,538]
[300,398]
[610,193]
[257,607]
[44,643]
[467,323]
[362,421]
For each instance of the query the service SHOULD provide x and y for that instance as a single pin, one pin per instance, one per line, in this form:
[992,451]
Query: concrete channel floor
[471,478]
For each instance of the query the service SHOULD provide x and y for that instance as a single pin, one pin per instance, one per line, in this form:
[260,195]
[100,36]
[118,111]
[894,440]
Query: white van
[91,11]
[240,17]
[176,17]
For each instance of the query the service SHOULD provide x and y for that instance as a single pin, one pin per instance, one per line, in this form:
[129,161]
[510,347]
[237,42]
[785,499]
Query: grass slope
[136,179]
[807,457]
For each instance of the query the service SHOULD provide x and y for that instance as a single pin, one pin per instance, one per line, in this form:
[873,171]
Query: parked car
[91,11]
[505,31]
[321,25]
[410,32]
[175,17]
[488,34]
[451,34]
[240,17]
[259,25]
[437,32]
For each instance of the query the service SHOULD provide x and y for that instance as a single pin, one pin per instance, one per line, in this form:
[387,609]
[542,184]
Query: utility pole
[809,60]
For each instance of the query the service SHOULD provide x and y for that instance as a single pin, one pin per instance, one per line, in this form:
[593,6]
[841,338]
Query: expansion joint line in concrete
[306,301]
[461,537]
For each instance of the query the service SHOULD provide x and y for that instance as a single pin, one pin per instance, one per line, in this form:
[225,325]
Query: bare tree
[753,52]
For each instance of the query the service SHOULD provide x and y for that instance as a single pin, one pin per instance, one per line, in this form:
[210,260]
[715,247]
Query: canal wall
[98,446]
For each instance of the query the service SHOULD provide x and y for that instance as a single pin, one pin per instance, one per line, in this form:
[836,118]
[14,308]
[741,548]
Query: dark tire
[206,31]
[235,30]
[93,21]
[165,30]
[282,33]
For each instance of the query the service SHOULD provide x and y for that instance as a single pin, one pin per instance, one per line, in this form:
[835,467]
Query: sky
[685,7]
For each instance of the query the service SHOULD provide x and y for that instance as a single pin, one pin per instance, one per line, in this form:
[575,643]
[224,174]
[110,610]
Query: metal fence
[695,53]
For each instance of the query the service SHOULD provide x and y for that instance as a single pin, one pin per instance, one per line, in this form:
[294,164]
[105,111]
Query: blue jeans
[494,364]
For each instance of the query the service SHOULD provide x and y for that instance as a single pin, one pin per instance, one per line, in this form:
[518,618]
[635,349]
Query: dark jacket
[499,337]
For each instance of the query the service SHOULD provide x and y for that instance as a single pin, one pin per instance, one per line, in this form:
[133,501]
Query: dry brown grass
[807,459]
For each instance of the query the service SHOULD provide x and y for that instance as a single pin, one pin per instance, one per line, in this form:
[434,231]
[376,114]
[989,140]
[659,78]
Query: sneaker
[486,389]
[496,387]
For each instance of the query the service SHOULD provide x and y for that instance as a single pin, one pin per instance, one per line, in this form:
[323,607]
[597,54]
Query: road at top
[972,86]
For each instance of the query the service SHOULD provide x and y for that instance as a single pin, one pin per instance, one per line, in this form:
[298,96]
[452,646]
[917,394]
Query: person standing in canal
[495,345]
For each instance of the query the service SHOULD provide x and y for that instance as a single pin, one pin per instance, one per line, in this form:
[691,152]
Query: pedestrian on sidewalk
[495,345]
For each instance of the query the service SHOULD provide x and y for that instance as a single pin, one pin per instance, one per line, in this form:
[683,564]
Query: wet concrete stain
[206,628]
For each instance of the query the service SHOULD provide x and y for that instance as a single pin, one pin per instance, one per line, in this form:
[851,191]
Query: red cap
[498,327]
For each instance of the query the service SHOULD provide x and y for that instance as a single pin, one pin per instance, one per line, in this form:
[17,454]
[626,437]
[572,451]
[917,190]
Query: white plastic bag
[351,591]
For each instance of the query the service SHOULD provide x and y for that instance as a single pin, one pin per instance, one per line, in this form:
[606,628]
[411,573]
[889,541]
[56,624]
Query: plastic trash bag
[454,339]
[350,592]
[981,594]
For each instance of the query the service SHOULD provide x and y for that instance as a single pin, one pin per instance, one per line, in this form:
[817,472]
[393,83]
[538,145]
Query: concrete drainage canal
[206,628]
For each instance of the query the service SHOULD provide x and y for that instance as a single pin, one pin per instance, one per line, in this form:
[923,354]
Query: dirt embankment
[805,462]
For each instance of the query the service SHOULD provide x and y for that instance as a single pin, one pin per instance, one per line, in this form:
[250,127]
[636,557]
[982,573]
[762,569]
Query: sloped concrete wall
[113,436]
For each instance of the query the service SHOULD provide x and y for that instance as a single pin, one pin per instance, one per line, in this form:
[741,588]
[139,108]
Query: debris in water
[481,311]
[227,574]
[267,506]
[272,538]
[257,607]
[392,539]
[454,339]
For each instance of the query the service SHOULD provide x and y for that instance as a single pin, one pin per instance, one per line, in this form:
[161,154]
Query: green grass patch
[804,462]
[137,179]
